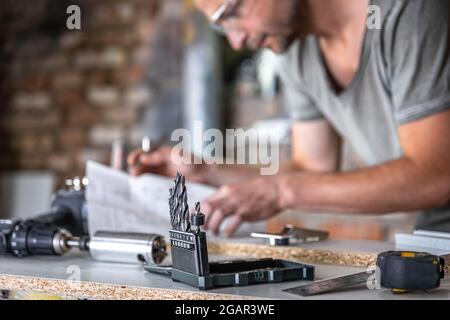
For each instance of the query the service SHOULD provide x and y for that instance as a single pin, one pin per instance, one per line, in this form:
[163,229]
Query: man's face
[257,24]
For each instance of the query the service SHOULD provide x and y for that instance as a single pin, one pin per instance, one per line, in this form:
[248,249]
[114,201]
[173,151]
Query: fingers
[140,162]
[211,205]
[208,207]
[214,214]
[153,159]
[136,171]
[133,162]
[216,209]
[133,157]
[217,218]
[233,224]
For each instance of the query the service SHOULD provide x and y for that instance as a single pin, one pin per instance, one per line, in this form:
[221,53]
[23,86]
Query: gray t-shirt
[404,75]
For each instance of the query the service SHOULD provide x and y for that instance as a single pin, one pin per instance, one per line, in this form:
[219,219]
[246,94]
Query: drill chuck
[28,238]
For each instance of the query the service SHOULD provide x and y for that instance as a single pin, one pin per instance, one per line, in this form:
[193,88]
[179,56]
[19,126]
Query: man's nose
[237,39]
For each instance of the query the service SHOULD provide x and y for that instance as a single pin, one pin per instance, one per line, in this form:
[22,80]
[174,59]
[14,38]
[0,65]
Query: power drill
[65,227]
[68,208]
[26,238]
[49,233]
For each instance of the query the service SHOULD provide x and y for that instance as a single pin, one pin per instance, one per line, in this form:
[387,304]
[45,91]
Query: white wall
[25,194]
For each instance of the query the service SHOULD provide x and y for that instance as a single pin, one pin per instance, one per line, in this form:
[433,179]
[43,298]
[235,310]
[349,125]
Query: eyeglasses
[226,9]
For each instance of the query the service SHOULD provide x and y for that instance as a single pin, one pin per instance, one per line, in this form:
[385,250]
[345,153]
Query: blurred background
[136,68]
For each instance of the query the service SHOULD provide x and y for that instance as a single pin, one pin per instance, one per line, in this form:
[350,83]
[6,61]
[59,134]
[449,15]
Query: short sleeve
[420,60]
[296,100]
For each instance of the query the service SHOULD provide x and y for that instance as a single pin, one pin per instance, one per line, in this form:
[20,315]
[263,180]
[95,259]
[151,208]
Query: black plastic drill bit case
[190,265]
[190,261]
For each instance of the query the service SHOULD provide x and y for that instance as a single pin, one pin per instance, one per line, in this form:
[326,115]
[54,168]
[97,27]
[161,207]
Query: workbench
[58,276]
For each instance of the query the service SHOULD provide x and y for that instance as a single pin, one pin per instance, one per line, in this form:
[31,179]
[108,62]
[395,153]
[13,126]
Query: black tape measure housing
[410,271]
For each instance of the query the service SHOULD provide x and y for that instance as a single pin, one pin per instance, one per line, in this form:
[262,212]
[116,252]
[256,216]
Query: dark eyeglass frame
[226,9]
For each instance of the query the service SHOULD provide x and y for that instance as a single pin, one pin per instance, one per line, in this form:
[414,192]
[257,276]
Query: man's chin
[281,47]
[279,50]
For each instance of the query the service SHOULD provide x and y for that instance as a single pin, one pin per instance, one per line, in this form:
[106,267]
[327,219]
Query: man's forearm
[219,175]
[401,185]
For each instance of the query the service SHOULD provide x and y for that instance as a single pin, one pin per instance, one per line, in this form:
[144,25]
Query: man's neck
[332,18]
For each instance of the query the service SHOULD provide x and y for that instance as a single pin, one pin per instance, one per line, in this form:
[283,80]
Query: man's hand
[249,197]
[165,162]
[250,201]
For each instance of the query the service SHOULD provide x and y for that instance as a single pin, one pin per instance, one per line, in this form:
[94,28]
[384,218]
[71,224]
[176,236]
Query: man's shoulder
[417,15]
[411,24]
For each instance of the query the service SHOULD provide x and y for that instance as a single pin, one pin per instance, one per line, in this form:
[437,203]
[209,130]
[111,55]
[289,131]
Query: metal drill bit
[174,202]
[181,205]
[185,208]
[184,211]
[172,206]
[178,205]
[197,207]
[182,222]
[186,223]
[198,218]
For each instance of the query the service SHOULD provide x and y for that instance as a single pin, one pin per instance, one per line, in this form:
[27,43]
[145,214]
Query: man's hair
[19,15]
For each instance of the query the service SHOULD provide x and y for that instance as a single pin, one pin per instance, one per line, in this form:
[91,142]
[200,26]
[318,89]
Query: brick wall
[66,95]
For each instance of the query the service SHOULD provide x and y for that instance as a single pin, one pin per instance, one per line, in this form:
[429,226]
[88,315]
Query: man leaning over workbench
[385,91]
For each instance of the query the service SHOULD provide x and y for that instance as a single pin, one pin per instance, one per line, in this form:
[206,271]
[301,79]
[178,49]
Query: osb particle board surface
[90,290]
[112,281]
[359,254]
[99,280]
[299,254]
[118,281]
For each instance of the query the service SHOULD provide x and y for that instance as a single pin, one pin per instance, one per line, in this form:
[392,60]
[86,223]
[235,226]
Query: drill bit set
[190,262]
[189,249]
[178,206]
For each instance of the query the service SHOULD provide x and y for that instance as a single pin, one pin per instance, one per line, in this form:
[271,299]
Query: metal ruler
[332,284]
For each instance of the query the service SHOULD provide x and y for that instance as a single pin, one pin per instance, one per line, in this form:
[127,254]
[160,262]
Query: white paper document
[119,202]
